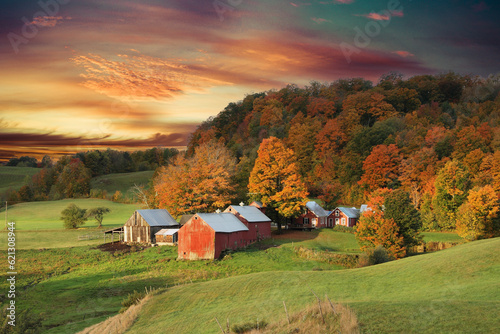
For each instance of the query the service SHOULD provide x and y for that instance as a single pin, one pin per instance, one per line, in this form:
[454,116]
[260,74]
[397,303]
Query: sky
[93,74]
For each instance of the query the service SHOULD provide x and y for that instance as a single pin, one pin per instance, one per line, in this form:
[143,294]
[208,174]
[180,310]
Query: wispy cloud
[385,16]
[345,2]
[48,21]
[139,76]
[403,54]
[319,20]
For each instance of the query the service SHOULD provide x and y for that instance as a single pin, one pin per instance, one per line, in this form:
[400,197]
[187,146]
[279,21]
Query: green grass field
[13,177]
[442,237]
[46,215]
[122,182]
[455,290]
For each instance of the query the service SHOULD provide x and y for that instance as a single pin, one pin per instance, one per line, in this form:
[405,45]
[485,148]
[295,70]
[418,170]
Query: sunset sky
[92,74]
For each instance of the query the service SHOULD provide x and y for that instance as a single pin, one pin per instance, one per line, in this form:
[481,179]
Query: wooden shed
[259,225]
[167,236]
[144,224]
[314,216]
[206,235]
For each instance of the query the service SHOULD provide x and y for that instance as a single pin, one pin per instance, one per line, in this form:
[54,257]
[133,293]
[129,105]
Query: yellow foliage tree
[275,179]
[477,218]
[200,183]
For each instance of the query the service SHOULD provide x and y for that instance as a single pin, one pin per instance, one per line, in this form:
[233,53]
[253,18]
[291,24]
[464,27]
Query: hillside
[14,177]
[456,290]
[122,182]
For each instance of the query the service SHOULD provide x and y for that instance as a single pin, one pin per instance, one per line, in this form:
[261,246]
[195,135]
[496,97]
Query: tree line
[430,142]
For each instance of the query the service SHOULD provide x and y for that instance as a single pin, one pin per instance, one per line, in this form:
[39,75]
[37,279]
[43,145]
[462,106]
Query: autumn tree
[374,229]
[452,186]
[478,217]
[301,139]
[381,167]
[275,179]
[331,139]
[202,182]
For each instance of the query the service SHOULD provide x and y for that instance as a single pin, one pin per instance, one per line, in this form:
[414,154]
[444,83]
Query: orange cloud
[386,16]
[48,21]
[403,54]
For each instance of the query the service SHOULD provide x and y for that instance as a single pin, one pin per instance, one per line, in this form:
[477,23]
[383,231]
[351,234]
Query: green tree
[73,216]
[399,207]
[98,214]
[452,186]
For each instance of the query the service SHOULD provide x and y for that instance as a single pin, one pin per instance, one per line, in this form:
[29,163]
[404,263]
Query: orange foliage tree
[374,229]
[200,183]
[478,217]
[275,180]
[381,167]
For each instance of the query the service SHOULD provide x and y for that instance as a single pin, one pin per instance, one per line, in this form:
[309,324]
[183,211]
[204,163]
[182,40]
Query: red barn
[259,225]
[206,235]
[313,217]
[344,216]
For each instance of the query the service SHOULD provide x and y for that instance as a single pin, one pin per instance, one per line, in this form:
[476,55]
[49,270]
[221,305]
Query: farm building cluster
[205,236]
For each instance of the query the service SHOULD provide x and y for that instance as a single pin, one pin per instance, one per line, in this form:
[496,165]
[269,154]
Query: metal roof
[167,231]
[224,222]
[251,213]
[158,217]
[316,209]
[349,212]
[365,207]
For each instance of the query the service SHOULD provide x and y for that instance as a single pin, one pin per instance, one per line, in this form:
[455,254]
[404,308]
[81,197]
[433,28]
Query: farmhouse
[206,235]
[144,224]
[259,225]
[344,216]
[313,217]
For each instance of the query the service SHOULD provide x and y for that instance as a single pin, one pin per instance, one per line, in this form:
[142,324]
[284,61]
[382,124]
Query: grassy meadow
[122,182]
[13,177]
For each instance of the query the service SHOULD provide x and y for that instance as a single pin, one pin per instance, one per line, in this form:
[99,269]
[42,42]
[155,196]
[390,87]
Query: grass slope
[455,290]
[122,182]
[46,215]
[13,177]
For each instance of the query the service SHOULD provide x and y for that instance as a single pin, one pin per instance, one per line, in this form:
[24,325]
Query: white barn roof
[167,231]
[158,217]
[251,213]
[316,209]
[224,222]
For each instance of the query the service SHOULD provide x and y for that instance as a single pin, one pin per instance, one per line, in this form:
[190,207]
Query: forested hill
[351,137]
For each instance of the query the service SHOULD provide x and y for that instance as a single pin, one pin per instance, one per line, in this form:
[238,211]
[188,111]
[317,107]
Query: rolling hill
[455,290]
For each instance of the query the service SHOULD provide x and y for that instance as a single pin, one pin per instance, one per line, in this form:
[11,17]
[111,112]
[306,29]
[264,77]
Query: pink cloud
[345,2]
[403,54]
[385,16]
[48,21]
[319,20]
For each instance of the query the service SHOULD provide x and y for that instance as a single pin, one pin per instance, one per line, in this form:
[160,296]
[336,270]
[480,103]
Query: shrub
[249,326]
[132,299]
[345,229]
[374,256]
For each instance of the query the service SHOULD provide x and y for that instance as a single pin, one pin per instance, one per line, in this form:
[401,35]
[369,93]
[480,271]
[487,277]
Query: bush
[132,299]
[345,229]
[249,326]
[374,256]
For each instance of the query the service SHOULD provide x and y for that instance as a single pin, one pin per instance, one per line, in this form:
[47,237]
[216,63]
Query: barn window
[337,213]
[336,221]
[343,221]
[306,220]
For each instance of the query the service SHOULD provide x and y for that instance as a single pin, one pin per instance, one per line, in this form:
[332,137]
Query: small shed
[167,236]
[206,235]
[344,216]
[143,224]
[314,216]
[259,225]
